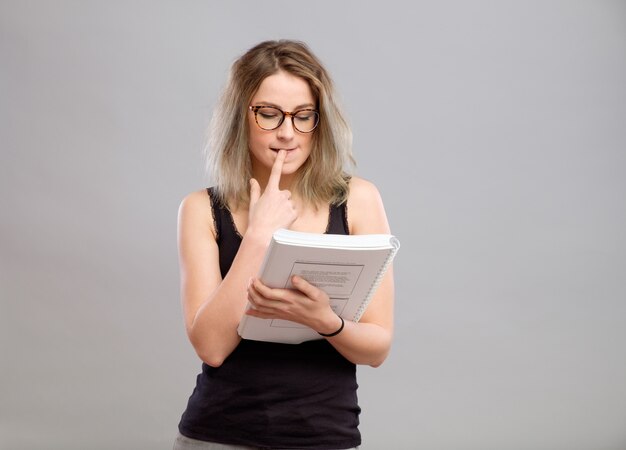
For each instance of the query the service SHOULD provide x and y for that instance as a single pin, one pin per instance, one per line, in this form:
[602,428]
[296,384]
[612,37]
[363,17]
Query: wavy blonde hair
[323,178]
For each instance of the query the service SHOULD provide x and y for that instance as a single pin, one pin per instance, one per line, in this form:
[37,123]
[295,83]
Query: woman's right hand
[273,209]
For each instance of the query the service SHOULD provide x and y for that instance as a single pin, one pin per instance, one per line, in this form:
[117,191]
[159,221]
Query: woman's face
[288,93]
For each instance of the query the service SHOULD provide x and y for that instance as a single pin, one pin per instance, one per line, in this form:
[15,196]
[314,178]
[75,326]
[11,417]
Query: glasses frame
[291,114]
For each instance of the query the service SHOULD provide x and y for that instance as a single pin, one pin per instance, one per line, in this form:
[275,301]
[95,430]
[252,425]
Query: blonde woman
[279,154]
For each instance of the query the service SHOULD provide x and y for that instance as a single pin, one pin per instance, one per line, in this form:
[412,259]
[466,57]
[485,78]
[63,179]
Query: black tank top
[272,395]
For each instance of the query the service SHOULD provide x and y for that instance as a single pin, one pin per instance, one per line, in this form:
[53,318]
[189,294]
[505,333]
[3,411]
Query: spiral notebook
[347,268]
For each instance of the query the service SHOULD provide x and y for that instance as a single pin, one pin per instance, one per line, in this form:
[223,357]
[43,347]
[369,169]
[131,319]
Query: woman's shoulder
[197,199]
[361,189]
[366,211]
[196,209]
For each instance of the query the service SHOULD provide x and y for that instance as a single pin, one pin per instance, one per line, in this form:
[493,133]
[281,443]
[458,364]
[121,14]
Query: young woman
[279,155]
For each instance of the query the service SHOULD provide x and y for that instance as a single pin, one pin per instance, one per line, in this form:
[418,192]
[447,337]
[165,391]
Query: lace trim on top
[232,222]
[330,218]
[215,224]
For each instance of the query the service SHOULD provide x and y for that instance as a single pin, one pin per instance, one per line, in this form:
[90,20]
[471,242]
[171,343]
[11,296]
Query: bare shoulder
[366,211]
[362,190]
[195,211]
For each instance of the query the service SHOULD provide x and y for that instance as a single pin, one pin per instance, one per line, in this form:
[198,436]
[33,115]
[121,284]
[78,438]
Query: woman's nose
[285,130]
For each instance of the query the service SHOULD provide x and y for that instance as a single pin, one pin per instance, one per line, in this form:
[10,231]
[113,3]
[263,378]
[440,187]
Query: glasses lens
[268,118]
[306,120]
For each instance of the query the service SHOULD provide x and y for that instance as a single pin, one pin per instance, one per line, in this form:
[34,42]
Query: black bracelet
[336,332]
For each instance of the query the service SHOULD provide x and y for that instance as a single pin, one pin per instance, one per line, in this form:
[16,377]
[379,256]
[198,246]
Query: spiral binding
[395,245]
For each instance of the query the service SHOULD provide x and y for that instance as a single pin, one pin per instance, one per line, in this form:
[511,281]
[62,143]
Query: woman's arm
[369,340]
[365,342]
[213,307]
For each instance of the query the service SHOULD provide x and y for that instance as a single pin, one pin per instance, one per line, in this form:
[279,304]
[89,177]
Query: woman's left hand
[305,304]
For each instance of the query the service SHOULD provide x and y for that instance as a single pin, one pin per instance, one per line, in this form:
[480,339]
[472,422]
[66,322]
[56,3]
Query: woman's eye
[268,115]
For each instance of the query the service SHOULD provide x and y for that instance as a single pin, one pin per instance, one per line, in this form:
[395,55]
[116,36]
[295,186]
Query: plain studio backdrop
[495,131]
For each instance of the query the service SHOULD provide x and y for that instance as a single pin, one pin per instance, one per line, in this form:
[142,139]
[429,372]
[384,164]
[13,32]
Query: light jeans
[185,443]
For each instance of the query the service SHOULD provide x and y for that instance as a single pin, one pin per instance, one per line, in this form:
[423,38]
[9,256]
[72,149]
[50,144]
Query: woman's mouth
[279,149]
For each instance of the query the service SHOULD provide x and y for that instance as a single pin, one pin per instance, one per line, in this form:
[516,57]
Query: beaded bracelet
[336,332]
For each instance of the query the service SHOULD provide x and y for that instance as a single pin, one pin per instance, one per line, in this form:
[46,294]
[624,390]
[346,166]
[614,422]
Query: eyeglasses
[269,118]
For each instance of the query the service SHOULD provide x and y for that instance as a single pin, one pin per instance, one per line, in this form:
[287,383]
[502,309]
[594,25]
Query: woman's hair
[322,178]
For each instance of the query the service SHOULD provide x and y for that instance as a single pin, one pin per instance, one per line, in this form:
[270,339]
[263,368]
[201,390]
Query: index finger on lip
[277,169]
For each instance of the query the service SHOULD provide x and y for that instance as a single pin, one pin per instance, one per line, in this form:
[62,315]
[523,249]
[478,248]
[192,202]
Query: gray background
[495,132]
